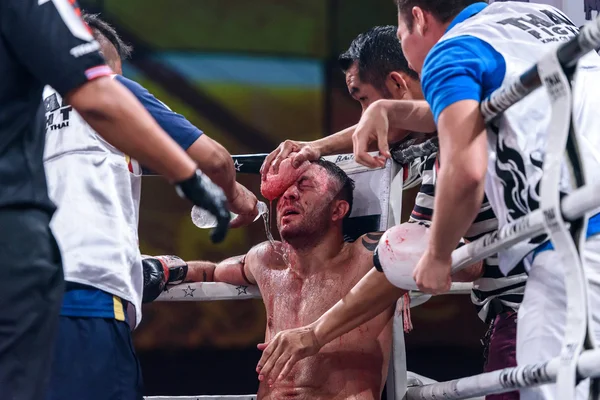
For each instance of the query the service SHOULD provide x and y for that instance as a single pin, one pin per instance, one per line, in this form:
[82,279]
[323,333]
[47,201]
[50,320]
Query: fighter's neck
[305,257]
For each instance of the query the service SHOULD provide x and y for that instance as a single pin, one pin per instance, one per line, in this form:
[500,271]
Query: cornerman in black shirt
[46,42]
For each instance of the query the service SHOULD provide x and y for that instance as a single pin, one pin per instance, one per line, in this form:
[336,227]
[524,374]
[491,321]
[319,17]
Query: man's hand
[432,274]
[202,192]
[373,127]
[243,203]
[306,151]
[282,352]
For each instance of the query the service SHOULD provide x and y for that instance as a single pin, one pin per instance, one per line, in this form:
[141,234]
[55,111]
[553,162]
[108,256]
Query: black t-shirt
[41,42]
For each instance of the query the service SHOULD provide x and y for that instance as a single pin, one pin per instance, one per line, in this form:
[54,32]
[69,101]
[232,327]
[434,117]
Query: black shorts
[94,359]
[31,289]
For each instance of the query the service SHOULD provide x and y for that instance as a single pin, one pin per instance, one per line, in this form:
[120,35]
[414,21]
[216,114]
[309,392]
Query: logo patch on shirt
[51,103]
[84,48]
[555,28]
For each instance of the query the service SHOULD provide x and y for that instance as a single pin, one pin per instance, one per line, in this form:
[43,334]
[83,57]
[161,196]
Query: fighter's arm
[162,271]
[371,296]
[455,77]
[239,270]
[234,270]
[403,116]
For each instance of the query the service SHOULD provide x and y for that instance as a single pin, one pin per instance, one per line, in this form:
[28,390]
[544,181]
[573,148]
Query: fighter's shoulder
[367,242]
[266,255]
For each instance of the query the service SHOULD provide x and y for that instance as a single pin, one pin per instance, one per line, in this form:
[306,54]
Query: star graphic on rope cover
[242,290]
[237,165]
[189,292]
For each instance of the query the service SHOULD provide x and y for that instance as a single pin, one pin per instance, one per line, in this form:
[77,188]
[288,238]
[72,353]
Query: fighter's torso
[351,367]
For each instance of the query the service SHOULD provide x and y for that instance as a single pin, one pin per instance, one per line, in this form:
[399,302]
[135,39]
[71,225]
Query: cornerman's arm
[385,122]
[460,185]
[128,126]
[212,158]
[371,296]
[404,116]
[216,162]
[410,115]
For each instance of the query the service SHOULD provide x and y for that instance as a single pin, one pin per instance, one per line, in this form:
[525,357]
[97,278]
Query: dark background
[251,74]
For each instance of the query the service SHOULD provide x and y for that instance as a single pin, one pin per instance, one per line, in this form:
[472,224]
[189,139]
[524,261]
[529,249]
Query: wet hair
[100,27]
[443,11]
[346,192]
[377,52]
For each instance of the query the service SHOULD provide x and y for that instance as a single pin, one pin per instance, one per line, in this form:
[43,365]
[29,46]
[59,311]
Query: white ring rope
[504,380]
[215,291]
[573,206]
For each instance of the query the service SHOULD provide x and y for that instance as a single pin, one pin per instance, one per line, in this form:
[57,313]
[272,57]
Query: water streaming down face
[304,209]
[275,185]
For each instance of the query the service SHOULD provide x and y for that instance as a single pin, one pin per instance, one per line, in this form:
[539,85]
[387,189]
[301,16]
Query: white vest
[97,191]
[522,33]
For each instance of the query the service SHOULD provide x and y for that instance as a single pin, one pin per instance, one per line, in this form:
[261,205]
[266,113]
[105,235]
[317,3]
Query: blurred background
[251,74]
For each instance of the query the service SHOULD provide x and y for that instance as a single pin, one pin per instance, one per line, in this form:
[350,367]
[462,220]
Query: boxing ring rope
[504,380]
[215,291]
[572,208]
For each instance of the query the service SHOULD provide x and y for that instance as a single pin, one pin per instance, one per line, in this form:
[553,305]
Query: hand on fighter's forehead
[276,183]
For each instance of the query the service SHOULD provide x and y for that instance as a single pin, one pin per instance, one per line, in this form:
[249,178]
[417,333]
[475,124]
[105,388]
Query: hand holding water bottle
[242,203]
[205,220]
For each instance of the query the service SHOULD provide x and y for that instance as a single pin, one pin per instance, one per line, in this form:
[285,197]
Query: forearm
[216,162]
[200,271]
[407,115]
[371,296]
[338,143]
[461,178]
[457,202]
[128,126]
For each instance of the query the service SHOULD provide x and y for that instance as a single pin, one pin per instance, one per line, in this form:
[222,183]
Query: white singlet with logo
[96,189]
[522,33]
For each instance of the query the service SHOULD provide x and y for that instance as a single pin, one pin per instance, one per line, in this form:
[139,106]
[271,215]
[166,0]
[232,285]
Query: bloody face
[305,209]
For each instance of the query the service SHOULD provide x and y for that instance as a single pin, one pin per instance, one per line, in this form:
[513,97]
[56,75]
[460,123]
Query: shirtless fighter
[303,276]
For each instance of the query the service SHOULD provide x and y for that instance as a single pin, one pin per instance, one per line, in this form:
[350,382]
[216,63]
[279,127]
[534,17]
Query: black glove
[160,271]
[205,194]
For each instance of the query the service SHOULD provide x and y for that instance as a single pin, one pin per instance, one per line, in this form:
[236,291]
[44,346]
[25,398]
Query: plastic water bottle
[205,220]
